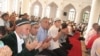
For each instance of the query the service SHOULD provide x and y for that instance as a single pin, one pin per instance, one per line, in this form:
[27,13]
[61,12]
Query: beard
[24,37]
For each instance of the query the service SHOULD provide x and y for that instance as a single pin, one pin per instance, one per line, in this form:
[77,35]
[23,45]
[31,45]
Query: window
[36,10]
[47,13]
[71,14]
[86,16]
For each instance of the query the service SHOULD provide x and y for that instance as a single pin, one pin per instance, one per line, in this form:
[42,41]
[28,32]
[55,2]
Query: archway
[85,14]
[52,10]
[69,12]
[36,9]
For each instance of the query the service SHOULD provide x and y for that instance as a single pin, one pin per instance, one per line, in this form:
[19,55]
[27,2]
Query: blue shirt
[42,34]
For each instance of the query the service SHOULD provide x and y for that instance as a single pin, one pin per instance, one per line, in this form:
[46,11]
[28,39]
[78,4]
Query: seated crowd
[24,36]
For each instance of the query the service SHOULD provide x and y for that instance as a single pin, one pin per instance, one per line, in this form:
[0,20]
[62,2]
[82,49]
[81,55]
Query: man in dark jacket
[15,40]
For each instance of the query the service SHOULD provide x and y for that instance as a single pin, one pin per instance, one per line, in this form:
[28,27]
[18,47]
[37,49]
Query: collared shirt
[19,42]
[42,34]
[53,31]
[31,38]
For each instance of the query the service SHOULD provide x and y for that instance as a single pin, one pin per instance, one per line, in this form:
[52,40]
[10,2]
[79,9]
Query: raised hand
[31,45]
[5,51]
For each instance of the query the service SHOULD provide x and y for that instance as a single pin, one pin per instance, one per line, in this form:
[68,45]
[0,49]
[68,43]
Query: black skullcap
[34,22]
[22,22]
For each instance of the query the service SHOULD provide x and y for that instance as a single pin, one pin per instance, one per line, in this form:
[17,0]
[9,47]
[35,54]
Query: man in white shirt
[55,35]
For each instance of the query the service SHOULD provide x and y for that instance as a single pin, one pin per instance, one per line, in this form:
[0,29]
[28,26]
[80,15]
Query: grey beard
[27,38]
[24,37]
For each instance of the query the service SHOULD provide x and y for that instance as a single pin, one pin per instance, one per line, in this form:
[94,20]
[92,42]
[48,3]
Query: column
[43,12]
[78,16]
[61,14]
[10,3]
[94,13]
[25,6]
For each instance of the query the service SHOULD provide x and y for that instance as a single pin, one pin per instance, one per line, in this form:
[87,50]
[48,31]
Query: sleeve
[1,44]
[40,36]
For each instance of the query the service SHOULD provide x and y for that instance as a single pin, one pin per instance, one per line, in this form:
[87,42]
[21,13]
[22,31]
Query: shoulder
[10,38]
[53,28]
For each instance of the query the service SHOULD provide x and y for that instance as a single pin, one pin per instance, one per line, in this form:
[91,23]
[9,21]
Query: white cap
[57,19]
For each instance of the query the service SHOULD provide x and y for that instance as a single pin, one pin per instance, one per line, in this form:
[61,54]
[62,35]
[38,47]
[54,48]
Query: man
[34,29]
[91,33]
[96,44]
[43,30]
[15,40]
[55,35]
[42,36]
[4,18]
[4,22]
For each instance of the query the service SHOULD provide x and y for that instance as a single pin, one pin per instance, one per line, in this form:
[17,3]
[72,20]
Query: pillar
[94,14]
[25,6]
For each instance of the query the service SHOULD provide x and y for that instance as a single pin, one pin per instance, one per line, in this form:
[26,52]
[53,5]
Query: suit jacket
[11,41]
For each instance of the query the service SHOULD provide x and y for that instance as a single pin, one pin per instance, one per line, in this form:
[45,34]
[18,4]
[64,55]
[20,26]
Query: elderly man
[15,40]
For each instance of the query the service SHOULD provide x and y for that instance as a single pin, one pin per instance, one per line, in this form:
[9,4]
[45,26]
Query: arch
[88,8]
[85,11]
[66,12]
[40,8]
[53,4]
[69,6]
[53,10]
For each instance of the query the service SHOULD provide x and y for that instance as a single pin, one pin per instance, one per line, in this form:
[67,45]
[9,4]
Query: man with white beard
[15,40]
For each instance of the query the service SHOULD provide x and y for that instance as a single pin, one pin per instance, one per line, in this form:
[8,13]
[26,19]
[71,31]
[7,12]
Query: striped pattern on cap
[22,22]
[33,23]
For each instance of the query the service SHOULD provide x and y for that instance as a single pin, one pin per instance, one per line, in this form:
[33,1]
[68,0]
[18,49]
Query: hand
[5,51]
[31,45]
[38,46]
[47,39]
[59,33]
[45,45]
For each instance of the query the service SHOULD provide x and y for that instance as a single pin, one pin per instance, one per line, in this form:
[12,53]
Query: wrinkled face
[25,30]
[34,29]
